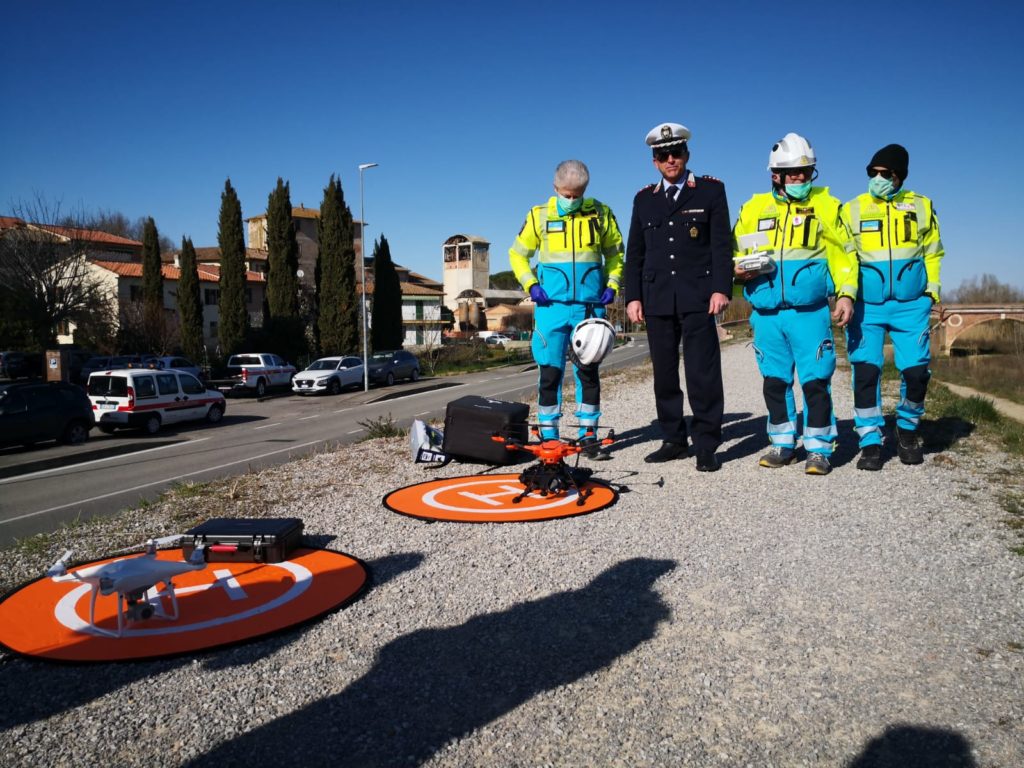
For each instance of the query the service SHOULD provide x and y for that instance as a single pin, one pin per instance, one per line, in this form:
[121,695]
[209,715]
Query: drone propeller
[60,568]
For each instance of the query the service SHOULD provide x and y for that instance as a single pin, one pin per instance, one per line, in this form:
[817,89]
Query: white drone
[134,580]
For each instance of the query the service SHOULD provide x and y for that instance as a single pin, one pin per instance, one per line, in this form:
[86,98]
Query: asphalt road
[43,488]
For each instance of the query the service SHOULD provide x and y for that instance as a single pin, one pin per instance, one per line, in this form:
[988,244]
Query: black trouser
[702,368]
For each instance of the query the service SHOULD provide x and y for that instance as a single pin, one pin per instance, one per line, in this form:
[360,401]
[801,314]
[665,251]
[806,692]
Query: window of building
[211,296]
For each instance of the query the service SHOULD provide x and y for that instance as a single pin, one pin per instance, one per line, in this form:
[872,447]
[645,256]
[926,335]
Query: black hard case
[471,421]
[266,540]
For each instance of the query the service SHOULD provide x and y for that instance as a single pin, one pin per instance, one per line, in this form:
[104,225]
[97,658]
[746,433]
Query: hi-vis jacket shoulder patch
[764,225]
[871,225]
[556,226]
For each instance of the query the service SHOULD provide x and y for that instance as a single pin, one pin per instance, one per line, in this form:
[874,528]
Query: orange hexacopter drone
[551,475]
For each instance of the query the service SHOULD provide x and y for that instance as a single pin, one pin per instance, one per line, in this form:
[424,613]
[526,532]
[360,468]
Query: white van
[148,399]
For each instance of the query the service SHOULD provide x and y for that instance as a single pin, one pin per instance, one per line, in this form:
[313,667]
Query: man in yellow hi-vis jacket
[579,267]
[897,237]
[803,256]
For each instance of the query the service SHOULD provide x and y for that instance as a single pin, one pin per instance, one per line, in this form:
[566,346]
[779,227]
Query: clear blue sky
[146,108]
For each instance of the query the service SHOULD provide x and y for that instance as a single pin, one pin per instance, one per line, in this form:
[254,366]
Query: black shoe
[593,449]
[908,447]
[707,461]
[870,458]
[668,452]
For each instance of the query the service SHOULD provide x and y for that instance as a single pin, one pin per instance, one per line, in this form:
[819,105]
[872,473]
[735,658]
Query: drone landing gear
[552,479]
[137,606]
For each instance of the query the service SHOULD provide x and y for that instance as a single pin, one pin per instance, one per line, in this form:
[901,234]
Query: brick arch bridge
[949,321]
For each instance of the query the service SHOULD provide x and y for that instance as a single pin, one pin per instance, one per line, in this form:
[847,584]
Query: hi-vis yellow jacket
[898,245]
[579,254]
[812,251]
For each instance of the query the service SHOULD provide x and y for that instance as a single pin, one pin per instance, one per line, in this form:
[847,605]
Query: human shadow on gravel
[435,685]
[43,689]
[913,746]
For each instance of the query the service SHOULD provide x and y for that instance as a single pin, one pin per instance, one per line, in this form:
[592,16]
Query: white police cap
[668,135]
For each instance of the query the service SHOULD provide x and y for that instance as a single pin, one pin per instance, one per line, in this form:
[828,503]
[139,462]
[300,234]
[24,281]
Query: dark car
[20,365]
[385,367]
[32,412]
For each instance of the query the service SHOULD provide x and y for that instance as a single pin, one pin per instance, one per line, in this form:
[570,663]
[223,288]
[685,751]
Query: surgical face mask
[798,191]
[881,187]
[567,206]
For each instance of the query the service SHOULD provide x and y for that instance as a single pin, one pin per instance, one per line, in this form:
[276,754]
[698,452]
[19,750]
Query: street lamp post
[362,273]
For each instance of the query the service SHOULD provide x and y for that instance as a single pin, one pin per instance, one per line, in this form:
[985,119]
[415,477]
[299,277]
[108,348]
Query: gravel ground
[749,617]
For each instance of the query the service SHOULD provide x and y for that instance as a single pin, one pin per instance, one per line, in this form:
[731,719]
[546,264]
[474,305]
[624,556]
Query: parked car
[32,412]
[20,365]
[386,367]
[498,340]
[330,375]
[176,364]
[111,362]
[148,398]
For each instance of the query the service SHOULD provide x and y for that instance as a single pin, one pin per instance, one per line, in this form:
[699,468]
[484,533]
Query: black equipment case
[245,540]
[471,421]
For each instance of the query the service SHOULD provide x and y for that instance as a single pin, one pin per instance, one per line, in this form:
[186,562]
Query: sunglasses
[805,171]
[872,172]
[661,155]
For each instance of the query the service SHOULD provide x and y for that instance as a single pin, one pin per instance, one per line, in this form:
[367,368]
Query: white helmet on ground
[592,340]
[791,151]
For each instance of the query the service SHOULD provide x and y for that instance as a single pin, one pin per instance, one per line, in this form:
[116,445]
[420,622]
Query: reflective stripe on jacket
[898,245]
[811,249]
[578,255]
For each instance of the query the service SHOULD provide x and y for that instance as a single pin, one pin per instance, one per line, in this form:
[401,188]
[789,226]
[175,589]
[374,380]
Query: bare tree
[46,276]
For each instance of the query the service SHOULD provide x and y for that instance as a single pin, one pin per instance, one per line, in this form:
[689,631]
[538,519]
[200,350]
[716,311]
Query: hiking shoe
[817,464]
[778,457]
[870,458]
[593,449]
[908,447]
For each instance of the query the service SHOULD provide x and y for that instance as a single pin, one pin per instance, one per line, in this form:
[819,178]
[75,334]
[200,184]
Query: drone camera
[140,611]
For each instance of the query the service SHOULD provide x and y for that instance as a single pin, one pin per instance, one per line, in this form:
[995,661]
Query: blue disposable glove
[608,296]
[539,296]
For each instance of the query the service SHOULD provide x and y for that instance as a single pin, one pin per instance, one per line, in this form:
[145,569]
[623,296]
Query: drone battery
[471,422]
[245,540]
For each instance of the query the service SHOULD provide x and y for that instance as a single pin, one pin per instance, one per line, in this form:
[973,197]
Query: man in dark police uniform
[678,278]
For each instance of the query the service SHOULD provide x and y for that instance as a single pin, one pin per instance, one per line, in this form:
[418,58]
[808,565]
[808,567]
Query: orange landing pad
[223,604]
[488,499]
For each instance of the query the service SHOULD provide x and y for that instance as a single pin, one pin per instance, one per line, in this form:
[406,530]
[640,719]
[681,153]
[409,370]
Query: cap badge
[666,132]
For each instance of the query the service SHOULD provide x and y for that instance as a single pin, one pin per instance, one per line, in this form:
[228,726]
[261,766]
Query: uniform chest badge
[764,225]
[798,220]
[694,232]
[556,226]
[904,206]
[871,225]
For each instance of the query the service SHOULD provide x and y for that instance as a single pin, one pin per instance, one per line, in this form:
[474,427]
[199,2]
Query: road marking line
[265,426]
[342,410]
[314,416]
[423,413]
[158,482]
[354,431]
[97,461]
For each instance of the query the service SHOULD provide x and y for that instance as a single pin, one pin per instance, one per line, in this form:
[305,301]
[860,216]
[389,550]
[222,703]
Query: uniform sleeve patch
[764,225]
[871,225]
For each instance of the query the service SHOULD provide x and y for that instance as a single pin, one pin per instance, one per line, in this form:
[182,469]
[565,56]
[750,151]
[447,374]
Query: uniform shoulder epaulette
[644,189]
[711,178]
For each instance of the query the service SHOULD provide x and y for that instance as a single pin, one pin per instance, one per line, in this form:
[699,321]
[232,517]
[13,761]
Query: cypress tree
[339,317]
[386,331]
[234,320]
[152,285]
[190,305]
[282,255]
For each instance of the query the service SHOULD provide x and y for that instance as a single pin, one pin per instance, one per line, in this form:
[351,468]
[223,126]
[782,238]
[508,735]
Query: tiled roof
[10,222]
[88,235]
[297,213]
[209,273]
[213,254]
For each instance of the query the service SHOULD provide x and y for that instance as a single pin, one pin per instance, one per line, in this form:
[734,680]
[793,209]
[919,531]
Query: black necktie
[670,192]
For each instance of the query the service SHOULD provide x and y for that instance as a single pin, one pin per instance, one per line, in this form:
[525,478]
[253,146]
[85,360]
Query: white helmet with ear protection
[791,151]
[592,340]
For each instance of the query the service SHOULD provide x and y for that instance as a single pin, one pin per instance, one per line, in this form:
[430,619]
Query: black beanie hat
[894,157]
